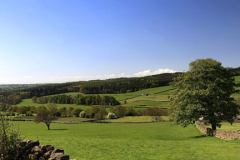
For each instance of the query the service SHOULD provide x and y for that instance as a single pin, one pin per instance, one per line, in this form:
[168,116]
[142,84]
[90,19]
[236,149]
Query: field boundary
[226,135]
[88,121]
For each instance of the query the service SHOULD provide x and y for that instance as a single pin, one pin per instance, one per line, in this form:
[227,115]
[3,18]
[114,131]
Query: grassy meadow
[158,97]
[226,126]
[130,141]
[140,141]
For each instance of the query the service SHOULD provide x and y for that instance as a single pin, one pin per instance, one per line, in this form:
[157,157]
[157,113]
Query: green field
[158,97]
[226,126]
[130,141]
[28,102]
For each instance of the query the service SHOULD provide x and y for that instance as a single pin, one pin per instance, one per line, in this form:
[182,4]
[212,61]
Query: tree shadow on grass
[59,129]
[202,136]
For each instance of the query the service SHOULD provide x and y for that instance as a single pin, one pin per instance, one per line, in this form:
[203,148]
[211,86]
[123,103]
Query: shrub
[153,111]
[61,110]
[130,112]
[15,108]
[82,114]
[141,112]
[33,109]
[111,116]
[120,111]
[53,108]
[22,110]
[92,111]
[9,138]
[99,116]
[69,110]
[64,114]
[76,112]
[112,109]
[10,114]
[29,113]
[40,108]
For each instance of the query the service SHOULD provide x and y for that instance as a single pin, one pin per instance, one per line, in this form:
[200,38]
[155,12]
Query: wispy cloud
[62,79]
[143,73]
[106,76]
[148,72]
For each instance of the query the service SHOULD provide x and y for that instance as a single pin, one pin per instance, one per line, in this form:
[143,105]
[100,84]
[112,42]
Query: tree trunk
[214,127]
[48,125]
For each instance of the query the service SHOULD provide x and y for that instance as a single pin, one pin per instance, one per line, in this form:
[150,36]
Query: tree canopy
[204,90]
[46,117]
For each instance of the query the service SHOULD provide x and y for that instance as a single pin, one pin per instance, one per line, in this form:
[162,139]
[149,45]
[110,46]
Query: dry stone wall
[30,150]
[226,135]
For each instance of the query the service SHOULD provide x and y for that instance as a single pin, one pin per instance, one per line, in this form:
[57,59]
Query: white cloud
[63,79]
[159,71]
[143,73]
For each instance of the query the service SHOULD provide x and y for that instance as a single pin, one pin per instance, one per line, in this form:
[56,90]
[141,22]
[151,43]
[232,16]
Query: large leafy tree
[204,90]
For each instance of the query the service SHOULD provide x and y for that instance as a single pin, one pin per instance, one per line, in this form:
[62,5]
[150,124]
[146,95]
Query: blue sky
[61,40]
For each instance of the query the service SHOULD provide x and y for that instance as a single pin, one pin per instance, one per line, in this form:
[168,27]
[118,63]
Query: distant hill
[117,85]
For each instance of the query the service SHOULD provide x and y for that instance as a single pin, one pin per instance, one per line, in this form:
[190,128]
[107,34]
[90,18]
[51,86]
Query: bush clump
[29,113]
[76,112]
[9,138]
[111,116]
[82,114]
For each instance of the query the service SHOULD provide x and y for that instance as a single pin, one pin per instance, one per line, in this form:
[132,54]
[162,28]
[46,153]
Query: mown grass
[130,141]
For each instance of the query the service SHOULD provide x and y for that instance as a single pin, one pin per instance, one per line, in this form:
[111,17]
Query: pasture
[226,126]
[158,97]
[130,141]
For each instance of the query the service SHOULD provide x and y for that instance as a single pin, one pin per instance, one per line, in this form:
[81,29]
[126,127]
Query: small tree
[53,108]
[22,110]
[92,111]
[34,99]
[101,114]
[69,110]
[39,108]
[155,113]
[9,139]
[120,111]
[204,90]
[130,111]
[46,117]
[76,112]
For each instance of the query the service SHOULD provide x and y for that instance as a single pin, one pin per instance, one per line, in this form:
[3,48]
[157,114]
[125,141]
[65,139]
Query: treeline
[118,85]
[10,100]
[98,113]
[125,85]
[235,71]
[43,90]
[7,87]
[78,99]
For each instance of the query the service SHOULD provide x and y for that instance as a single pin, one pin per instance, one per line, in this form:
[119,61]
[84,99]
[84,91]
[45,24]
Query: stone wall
[226,135]
[30,150]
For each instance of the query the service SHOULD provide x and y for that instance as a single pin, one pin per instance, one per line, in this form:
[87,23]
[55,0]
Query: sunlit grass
[130,141]
[226,126]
